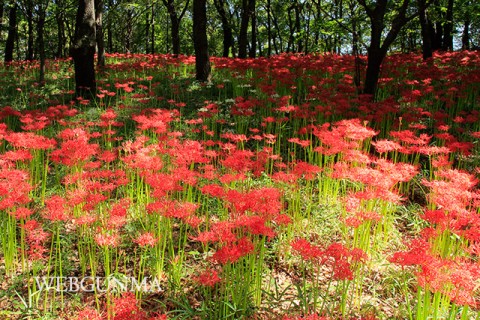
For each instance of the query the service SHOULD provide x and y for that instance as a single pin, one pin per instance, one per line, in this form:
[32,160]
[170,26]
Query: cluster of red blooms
[456,278]
[336,256]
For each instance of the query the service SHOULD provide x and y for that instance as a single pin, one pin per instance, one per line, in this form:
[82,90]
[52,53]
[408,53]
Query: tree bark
[298,27]
[425,27]
[152,34]
[60,19]
[448,31]
[242,37]
[2,4]
[378,50]
[226,27]
[109,28]
[269,28]
[99,33]
[200,40]
[12,31]
[83,49]
[175,20]
[291,28]
[42,11]
[251,12]
[30,38]
[466,33]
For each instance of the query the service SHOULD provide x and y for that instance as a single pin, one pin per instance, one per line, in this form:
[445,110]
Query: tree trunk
[269,28]
[425,27]
[200,41]
[83,49]
[152,34]
[147,32]
[2,4]
[60,18]
[298,28]
[466,33]
[41,40]
[251,12]
[448,31]
[226,28]
[291,28]
[378,50]
[109,28]
[374,62]
[128,31]
[12,32]
[99,33]
[175,35]
[280,39]
[242,37]
[175,20]
[30,39]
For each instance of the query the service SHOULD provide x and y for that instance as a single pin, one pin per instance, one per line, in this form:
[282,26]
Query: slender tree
[226,27]
[425,26]
[2,5]
[378,49]
[448,29]
[466,29]
[83,49]
[41,15]
[60,19]
[99,33]
[12,31]
[251,13]
[175,20]
[243,35]
[200,40]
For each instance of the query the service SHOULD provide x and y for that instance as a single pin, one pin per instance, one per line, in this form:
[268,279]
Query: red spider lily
[56,209]
[156,120]
[264,201]
[17,155]
[146,239]
[239,160]
[143,158]
[231,252]
[14,188]
[127,307]
[453,192]
[221,231]
[75,148]
[306,170]
[162,184]
[118,214]
[21,213]
[89,314]
[336,256]
[213,190]
[208,278]
[255,225]
[417,254]
[288,178]
[32,122]
[306,250]
[36,238]
[188,152]
[306,317]
[456,279]
[107,240]
[29,140]
[408,137]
